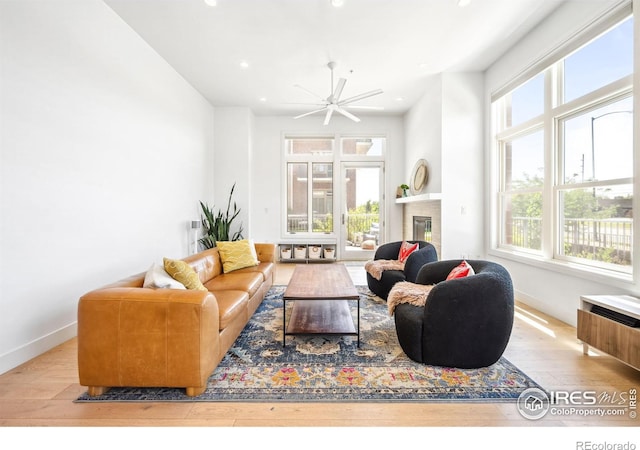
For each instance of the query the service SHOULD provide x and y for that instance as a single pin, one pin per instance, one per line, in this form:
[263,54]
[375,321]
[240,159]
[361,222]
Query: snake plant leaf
[217,226]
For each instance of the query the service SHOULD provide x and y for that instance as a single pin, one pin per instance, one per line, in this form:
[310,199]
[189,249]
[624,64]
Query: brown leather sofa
[134,336]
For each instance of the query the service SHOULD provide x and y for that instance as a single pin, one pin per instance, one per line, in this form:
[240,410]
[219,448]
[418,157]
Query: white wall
[553,290]
[267,170]
[105,152]
[423,134]
[445,127]
[233,143]
[462,166]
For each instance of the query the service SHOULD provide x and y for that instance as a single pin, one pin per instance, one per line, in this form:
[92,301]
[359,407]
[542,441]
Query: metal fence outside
[607,240]
[358,225]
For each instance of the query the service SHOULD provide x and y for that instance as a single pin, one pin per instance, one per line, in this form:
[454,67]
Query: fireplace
[422,228]
[421,220]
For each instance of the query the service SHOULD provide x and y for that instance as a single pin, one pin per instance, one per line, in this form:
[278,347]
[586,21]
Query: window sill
[596,274]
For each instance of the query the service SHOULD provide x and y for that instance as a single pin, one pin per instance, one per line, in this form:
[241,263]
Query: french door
[362,204]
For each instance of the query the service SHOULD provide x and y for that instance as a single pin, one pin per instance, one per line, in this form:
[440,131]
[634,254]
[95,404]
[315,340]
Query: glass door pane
[362,211]
[322,198]
[297,198]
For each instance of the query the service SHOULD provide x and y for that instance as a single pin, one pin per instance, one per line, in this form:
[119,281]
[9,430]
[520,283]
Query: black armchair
[426,253]
[465,323]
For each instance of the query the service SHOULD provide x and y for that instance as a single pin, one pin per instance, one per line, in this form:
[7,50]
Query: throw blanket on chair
[377,266]
[406,292]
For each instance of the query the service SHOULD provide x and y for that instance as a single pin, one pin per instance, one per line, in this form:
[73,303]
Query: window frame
[532,126]
[610,94]
[309,159]
[336,158]
[554,113]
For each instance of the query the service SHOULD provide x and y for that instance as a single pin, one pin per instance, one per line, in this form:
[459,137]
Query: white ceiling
[388,44]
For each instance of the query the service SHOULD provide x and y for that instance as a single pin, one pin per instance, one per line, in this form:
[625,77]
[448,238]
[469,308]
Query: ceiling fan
[333,103]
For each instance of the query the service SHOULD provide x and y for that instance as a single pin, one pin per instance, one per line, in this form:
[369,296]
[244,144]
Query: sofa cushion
[239,281]
[206,263]
[236,255]
[231,305]
[265,268]
[405,250]
[462,270]
[184,273]
[158,278]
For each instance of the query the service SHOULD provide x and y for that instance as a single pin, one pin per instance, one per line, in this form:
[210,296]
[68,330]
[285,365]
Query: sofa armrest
[266,252]
[389,251]
[147,337]
[437,271]
[475,312]
[417,259]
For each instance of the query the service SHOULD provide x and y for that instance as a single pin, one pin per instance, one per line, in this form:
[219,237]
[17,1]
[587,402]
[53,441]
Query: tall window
[564,140]
[312,168]
[309,185]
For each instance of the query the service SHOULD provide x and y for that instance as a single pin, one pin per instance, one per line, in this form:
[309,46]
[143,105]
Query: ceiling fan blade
[327,118]
[309,92]
[347,114]
[370,108]
[309,113]
[361,97]
[304,103]
[335,97]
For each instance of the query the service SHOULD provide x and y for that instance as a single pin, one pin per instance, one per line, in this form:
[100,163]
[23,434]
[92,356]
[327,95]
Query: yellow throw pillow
[236,255]
[184,273]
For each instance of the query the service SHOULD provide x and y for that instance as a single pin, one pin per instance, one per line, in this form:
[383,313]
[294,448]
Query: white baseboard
[528,300]
[545,308]
[20,355]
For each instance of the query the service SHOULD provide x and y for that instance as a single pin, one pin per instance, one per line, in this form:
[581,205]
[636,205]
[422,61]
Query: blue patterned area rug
[332,368]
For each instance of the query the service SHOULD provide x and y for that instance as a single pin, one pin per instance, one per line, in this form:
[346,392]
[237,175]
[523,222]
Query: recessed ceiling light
[244,64]
[337,3]
[463,3]
[263,99]
[399,99]
[211,2]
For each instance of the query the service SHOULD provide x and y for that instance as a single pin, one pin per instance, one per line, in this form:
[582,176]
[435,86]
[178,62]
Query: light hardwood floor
[41,392]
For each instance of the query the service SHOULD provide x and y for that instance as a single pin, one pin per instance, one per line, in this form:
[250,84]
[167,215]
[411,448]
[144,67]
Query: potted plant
[217,226]
[404,188]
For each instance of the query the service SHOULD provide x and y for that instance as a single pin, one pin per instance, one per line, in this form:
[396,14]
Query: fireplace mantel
[419,198]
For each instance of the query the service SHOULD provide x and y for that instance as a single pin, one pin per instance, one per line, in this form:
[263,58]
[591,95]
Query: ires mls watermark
[534,403]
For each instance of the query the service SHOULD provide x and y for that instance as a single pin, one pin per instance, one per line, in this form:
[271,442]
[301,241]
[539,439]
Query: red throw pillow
[460,271]
[405,250]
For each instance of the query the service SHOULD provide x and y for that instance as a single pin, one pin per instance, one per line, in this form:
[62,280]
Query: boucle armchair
[465,322]
[426,253]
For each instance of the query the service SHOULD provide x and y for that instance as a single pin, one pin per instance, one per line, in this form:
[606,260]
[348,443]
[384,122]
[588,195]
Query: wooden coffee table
[321,295]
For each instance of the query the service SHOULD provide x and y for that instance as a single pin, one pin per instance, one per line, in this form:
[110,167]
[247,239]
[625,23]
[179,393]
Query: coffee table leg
[284,323]
[358,322]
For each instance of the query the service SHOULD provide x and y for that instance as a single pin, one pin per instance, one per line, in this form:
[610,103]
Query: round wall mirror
[419,177]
